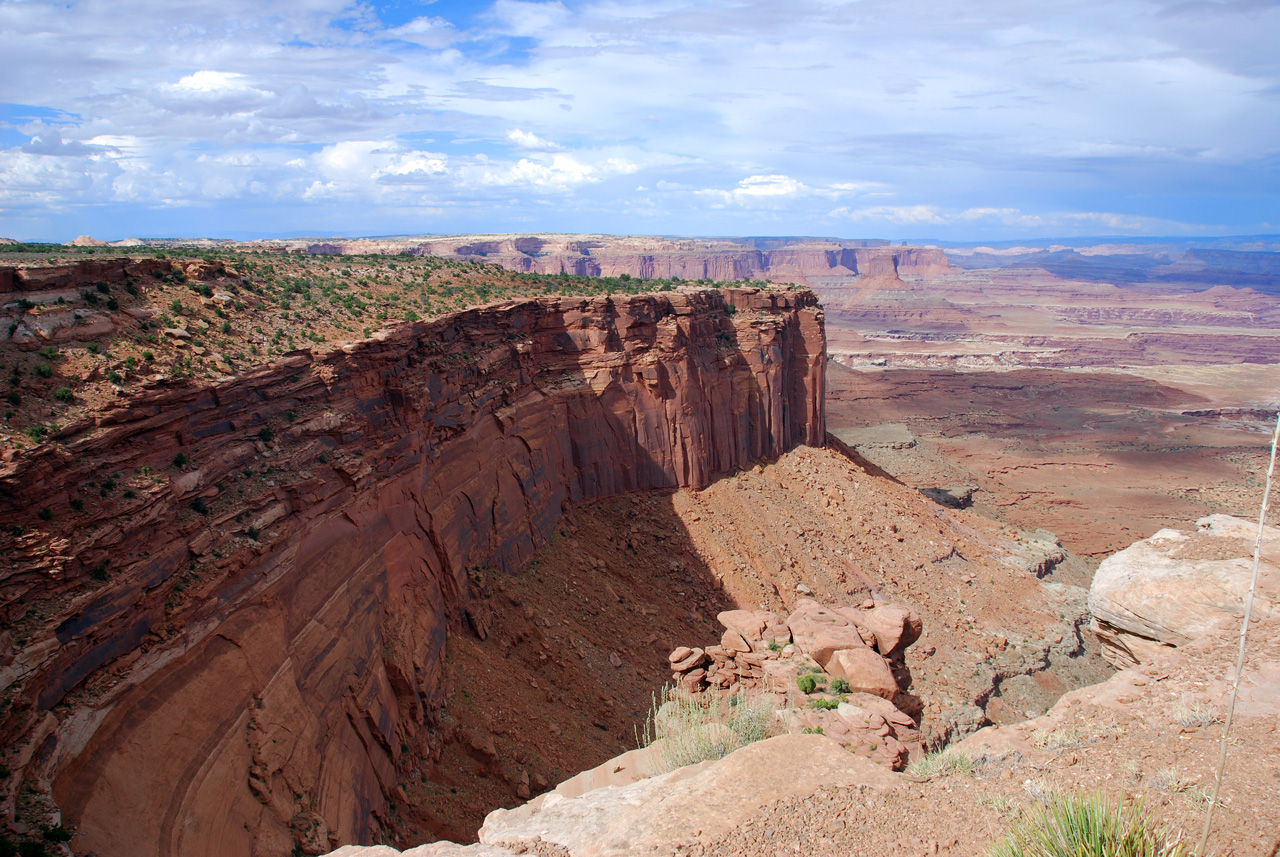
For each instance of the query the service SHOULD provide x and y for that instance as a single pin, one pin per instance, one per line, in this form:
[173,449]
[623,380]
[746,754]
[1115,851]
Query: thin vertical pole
[1244,635]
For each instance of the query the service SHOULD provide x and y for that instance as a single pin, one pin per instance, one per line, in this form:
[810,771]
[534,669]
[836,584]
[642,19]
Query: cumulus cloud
[526,140]
[746,117]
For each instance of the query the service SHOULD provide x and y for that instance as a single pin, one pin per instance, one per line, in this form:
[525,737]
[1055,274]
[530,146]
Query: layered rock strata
[1175,588]
[804,260]
[41,305]
[243,620]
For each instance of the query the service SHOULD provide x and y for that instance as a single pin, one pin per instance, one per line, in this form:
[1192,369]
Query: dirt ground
[1101,459]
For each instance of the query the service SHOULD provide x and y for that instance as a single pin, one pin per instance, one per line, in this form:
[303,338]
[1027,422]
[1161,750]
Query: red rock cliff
[808,261]
[272,621]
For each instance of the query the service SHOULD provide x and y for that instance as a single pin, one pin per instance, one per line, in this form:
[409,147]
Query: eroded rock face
[1174,588]
[273,623]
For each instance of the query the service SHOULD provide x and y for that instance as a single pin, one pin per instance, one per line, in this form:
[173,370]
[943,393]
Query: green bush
[1088,825]
[63,394]
[825,704]
[839,685]
[57,833]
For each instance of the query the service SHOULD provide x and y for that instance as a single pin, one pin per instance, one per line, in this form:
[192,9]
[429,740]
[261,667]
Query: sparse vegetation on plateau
[941,763]
[690,729]
[1088,825]
[217,312]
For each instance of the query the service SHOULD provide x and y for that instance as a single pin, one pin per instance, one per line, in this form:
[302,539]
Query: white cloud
[897,214]
[737,116]
[527,140]
[211,81]
[561,173]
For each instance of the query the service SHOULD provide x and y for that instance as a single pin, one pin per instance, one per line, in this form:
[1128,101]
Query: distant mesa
[805,261]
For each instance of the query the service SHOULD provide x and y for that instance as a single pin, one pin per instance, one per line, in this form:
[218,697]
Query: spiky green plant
[1088,825]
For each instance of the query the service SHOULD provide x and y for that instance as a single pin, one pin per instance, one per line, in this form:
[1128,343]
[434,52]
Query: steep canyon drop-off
[271,629]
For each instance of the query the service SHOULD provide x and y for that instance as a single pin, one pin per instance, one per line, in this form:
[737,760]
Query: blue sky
[875,118]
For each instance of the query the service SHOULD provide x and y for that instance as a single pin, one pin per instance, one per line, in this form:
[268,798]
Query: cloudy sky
[872,118]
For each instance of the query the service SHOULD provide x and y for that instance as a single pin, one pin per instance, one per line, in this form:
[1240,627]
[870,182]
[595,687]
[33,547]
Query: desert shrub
[265,434]
[691,729]
[63,394]
[57,833]
[1088,825]
[839,685]
[825,704]
[44,370]
[1196,716]
[807,683]
[940,764]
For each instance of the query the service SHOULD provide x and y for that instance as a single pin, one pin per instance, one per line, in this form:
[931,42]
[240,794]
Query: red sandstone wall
[275,686]
[797,263]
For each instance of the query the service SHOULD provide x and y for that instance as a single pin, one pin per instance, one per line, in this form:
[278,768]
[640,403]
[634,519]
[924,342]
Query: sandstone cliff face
[807,262]
[271,626]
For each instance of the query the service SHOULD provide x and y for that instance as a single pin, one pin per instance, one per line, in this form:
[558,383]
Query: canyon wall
[226,646]
[808,262]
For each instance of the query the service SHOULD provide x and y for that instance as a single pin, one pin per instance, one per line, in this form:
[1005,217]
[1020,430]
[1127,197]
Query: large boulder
[893,626]
[756,626]
[820,632]
[865,671]
[1173,588]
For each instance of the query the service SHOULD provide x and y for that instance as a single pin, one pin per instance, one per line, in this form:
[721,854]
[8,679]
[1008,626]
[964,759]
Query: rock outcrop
[246,587]
[836,671]
[1174,588]
[41,305]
